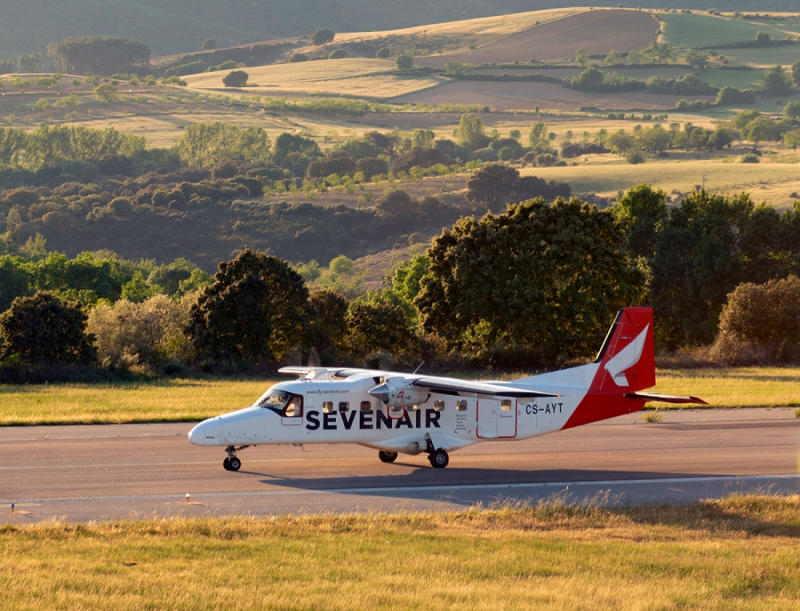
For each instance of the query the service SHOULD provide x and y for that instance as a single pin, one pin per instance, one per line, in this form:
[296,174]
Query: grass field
[366,78]
[681,175]
[738,553]
[179,400]
[699,30]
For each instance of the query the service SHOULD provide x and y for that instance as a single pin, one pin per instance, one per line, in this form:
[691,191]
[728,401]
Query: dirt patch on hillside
[526,96]
[596,31]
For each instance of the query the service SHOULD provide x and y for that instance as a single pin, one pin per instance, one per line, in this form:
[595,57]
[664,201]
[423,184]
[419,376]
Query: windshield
[274,399]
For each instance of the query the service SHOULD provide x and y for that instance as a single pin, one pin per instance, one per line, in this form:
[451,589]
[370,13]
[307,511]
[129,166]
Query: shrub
[383,53]
[297,57]
[236,78]
[750,158]
[634,157]
[337,54]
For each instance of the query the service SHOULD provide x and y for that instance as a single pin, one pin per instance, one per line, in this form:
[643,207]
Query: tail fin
[627,358]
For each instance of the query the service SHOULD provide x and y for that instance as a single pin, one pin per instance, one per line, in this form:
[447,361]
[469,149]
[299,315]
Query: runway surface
[102,472]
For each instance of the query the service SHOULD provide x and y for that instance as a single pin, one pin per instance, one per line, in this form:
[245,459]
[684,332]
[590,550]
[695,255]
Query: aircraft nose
[206,433]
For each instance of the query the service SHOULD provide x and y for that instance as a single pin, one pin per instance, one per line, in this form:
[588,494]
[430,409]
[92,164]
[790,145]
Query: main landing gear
[387,456]
[438,458]
[232,463]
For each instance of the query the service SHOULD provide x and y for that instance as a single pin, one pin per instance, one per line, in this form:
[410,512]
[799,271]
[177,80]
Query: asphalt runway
[110,472]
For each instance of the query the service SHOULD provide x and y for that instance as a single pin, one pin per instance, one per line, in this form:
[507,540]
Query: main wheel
[227,463]
[439,459]
[234,463]
[387,456]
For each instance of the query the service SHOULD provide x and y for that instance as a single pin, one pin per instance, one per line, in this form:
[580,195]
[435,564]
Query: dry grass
[498,27]
[170,400]
[734,387]
[739,553]
[779,179]
[365,78]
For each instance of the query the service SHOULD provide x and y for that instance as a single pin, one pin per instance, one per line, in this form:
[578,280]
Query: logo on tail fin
[626,358]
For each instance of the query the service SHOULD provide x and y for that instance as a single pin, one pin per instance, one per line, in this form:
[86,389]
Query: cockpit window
[274,399]
[294,409]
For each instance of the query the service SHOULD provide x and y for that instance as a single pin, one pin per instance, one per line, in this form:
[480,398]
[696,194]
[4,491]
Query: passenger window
[327,407]
[366,406]
[344,407]
[439,405]
[294,409]
[461,405]
[505,405]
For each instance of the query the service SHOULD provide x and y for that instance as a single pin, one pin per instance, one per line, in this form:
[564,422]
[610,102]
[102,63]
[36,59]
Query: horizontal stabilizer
[654,396]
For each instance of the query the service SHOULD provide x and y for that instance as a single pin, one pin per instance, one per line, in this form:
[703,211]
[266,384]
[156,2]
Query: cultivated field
[737,553]
[505,95]
[365,78]
[183,399]
[596,31]
[681,176]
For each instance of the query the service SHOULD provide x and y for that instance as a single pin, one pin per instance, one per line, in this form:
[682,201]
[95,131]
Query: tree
[256,308]
[582,57]
[404,63]
[765,314]
[328,326]
[99,55]
[209,44]
[639,212]
[470,132]
[106,93]
[613,58]
[373,326]
[792,139]
[31,63]
[322,36]
[14,280]
[695,59]
[544,276]
[235,78]
[44,330]
[7,66]
[796,73]
[728,95]
[383,53]
[763,38]
[777,81]
[337,54]
[205,144]
[792,110]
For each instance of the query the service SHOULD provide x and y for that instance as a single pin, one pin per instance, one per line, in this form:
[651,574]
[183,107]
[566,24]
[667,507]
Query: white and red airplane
[411,414]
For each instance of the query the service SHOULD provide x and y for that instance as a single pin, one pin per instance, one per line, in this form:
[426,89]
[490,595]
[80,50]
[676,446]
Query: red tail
[626,363]
[627,358]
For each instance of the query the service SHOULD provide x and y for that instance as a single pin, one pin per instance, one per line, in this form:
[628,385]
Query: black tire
[439,459]
[387,456]
[226,464]
[234,463]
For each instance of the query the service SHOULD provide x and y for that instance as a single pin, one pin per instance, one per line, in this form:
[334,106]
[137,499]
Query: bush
[337,54]
[383,53]
[297,57]
[209,44]
[236,78]
[135,334]
[750,158]
[634,157]
[761,322]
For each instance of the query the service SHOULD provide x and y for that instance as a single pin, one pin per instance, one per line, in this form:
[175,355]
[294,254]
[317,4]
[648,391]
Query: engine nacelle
[399,392]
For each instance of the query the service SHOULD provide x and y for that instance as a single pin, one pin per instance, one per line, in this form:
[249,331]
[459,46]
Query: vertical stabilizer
[627,358]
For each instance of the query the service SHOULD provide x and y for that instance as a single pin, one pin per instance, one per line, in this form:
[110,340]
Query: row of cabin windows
[438,405]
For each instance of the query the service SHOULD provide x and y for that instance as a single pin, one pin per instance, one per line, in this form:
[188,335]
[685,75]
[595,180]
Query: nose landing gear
[232,462]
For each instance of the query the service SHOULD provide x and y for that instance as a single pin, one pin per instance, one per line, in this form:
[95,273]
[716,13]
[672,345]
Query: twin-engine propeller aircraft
[411,414]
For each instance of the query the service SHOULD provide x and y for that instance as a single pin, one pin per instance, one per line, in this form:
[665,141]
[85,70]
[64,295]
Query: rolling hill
[180,26]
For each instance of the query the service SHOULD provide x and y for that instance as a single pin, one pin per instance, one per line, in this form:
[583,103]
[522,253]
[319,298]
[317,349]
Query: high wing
[654,396]
[450,385]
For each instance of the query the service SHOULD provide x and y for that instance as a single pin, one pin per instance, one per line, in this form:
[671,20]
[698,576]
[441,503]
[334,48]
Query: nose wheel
[232,463]
[387,456]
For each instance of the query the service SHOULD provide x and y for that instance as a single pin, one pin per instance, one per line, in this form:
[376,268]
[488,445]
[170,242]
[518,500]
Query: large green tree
[204,144]
[44,330]
[471,132]
[777,81]
[256,308]
[548,276]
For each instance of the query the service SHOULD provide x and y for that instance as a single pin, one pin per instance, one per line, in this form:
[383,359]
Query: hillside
[180,26]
